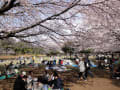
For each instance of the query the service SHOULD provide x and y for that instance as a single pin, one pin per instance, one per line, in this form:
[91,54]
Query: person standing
[82,69]
[87,68]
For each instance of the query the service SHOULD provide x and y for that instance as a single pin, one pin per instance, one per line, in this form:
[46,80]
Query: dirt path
[96,84]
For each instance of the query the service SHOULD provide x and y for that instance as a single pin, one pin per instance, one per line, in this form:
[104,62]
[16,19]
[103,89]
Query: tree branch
[13,32]
[7,6]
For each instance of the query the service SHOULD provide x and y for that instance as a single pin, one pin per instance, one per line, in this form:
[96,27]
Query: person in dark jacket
[20,83]
[87,66]
[57,82]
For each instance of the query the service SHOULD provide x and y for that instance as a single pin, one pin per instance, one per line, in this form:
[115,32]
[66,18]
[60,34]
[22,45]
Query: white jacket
[81,66]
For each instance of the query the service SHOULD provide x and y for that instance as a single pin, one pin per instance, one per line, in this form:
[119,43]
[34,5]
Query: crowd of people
[52,80]
[103,62]
[108,62]
[48,81]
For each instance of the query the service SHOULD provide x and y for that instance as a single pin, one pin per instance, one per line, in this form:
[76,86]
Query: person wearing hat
[23,74]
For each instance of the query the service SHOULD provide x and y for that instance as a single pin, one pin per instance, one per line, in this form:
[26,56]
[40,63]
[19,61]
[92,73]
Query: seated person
[57,83]
[23,74]
[16,70]
[30,75]
[117,72]
[20,83]
[30,80]
[45,77]
[39,83]
[51,78]
[43,81]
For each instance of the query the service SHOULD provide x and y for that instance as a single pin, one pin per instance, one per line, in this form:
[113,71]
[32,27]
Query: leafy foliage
[19,47]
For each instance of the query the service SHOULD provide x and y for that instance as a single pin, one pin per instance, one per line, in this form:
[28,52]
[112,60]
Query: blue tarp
[11,75]
[93,65]
[74,65]
[90,66]
[2,77]
[8,76]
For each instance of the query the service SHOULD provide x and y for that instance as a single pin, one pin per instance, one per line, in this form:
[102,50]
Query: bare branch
[7,6]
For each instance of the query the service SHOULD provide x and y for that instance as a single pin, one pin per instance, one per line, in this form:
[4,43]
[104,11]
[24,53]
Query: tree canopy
[89,23]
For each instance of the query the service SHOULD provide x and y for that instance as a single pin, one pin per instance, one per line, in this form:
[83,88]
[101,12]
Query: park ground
[97,84]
